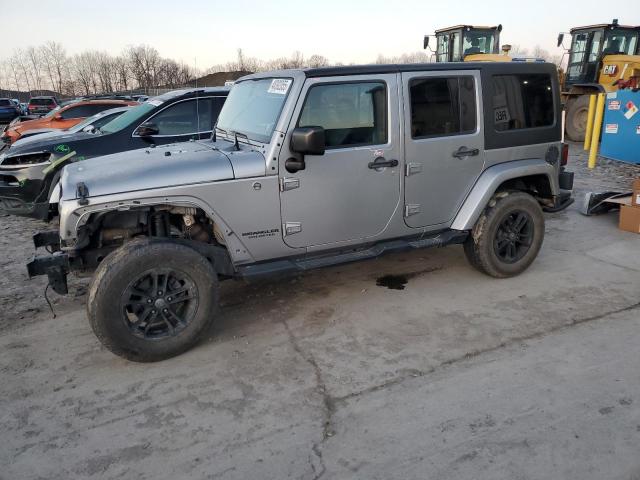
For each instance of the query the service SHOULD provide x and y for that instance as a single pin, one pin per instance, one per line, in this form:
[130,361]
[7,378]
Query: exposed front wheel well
[107,231]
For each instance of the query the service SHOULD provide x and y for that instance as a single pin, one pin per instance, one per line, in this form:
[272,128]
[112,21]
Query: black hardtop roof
[494,68]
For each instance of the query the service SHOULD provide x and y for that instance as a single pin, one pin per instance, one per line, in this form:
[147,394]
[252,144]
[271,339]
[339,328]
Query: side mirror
[308,141]
[147,129]
[425,42]
[57,116]
[560,38]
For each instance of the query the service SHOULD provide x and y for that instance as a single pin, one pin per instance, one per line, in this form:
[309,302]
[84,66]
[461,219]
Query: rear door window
[442,106]
[185,118]
[522,101]
[351,114]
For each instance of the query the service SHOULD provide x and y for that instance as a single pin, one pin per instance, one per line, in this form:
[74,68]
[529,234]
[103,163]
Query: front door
[444,143]
[342,196]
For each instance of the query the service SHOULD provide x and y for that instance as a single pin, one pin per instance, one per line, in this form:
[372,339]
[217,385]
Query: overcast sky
[210,31]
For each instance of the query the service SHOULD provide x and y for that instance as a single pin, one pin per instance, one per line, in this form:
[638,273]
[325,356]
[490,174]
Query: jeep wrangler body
[310,168]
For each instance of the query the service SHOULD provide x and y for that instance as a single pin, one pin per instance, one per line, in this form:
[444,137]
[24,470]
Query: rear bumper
[565,180]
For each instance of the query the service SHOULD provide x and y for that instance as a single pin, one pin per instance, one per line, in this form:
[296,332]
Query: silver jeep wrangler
[306,169]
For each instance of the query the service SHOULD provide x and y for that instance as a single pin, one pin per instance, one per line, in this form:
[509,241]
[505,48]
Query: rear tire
[508,235]
[576,121]
[151,300]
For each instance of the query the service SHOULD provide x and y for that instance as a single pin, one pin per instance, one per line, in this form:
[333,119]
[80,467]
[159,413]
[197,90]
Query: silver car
[89,124]
[307,169]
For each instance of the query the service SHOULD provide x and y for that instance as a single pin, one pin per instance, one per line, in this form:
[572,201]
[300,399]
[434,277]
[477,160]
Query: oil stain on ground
[398,282]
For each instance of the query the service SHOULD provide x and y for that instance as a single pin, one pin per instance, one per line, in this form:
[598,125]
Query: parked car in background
[90,125]
[64,117]
[41,105]
[8,110]
[28,173]
[23,108]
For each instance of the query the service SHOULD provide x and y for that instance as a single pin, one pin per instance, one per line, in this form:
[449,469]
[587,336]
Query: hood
[40,133]
[29,124]
[46,142]
[147,168]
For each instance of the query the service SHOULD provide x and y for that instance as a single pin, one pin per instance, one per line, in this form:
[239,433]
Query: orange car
[64,117]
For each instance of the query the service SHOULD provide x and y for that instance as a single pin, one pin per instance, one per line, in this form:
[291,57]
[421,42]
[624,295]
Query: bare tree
[35,64]
[54,59]
[316,61]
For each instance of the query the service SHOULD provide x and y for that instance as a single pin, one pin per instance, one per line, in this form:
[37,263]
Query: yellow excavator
[602,58]
[469,43]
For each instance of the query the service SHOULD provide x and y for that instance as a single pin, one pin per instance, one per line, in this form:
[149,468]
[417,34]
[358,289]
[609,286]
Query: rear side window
[185,118]
[351,114]
[442,106]
[522,101]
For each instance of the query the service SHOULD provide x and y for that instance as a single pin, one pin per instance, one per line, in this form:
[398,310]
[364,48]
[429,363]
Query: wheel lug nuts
[169,299]
[153,312]
[159,292]
[165,310]
[149,301]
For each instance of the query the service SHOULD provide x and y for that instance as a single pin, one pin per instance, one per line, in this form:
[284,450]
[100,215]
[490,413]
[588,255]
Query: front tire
[151,300]
[508,235]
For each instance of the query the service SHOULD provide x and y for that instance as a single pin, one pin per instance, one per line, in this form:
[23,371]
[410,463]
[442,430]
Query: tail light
[564,158]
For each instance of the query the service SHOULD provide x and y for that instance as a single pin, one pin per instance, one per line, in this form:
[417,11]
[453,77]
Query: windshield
[52,112]
[622,42]
[127,118]
[478,42]
[96,121]
[253,107]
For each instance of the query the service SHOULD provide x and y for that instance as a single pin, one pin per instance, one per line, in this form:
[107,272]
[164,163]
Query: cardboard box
[630,218]
[635,197]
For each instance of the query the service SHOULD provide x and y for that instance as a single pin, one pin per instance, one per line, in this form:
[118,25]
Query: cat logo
[609,70]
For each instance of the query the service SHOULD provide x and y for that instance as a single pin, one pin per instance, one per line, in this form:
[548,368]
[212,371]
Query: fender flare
[491,179]
[73,216]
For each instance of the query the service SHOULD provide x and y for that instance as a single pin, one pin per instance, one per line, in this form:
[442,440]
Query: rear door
[444,143]
[342,196]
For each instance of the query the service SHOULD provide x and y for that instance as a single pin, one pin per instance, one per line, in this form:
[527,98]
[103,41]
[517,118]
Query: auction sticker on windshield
[279,86]
[155,103]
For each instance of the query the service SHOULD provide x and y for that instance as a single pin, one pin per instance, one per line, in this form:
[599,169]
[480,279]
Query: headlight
[26,160]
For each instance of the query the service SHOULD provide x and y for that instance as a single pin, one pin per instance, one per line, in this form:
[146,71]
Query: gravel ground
[329,375]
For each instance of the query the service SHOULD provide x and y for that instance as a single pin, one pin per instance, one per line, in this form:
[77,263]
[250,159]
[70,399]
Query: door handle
[380,162]
[466,152]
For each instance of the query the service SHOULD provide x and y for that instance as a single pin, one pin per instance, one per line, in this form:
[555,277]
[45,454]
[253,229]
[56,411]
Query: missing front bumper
[55,267]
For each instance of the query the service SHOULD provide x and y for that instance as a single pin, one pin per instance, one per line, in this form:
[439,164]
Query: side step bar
[307,262]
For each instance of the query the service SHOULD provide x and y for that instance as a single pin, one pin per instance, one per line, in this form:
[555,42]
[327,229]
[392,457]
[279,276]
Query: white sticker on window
[155,103]
[501,115]
[611,128]
[279,86]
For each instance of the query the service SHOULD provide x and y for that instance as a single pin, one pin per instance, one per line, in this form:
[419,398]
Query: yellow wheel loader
[469,43]
[602,58]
